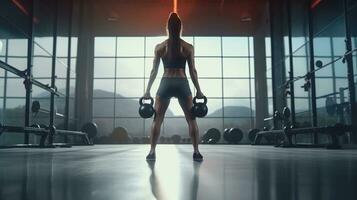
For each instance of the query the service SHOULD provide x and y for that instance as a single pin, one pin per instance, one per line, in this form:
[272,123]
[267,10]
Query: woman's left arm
[154,71]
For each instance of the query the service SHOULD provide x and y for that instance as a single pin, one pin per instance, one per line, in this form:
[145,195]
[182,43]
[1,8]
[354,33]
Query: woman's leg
[186,105]
[161,105]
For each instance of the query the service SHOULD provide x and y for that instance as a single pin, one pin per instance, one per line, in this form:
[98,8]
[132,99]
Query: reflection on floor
[228,172]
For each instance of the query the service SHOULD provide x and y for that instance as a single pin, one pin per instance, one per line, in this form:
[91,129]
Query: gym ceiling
[200,17]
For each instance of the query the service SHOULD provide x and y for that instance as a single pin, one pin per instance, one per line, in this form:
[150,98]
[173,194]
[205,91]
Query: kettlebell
[146,110]
[199,109]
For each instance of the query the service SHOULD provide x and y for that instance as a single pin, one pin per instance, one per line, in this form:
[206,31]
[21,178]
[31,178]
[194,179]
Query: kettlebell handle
[142,99]
[204,100]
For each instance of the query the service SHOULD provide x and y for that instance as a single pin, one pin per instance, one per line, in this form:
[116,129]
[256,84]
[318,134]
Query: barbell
[252,133]
[36,108]
[91,129]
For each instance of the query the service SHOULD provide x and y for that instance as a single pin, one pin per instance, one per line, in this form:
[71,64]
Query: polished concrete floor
[228,172]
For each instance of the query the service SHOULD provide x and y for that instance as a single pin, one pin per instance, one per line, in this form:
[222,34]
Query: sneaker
[151,157]
[197,157]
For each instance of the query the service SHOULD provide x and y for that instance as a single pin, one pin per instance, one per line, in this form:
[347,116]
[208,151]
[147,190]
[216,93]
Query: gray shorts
[174,87]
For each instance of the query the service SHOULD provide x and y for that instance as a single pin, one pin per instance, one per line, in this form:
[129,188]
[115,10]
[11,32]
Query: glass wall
[352,14]
[329,44]
[328,40]
[14,50]
[122,68]
[269,75]
[43,55]
[300,56]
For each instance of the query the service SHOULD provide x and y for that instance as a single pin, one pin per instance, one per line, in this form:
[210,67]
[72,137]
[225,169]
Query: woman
[174,53]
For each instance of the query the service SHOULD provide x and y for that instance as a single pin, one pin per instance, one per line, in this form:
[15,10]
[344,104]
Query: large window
[269,75]
[122,68]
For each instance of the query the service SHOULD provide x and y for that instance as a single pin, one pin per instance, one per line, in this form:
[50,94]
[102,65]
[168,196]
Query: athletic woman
[174,52]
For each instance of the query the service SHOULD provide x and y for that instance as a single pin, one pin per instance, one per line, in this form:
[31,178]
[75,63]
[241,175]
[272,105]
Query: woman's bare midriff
[174,73]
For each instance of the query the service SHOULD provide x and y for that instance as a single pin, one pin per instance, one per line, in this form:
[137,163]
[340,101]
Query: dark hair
[174,26]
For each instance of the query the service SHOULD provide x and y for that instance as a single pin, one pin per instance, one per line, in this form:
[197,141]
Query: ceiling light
[246,19]
[112,19]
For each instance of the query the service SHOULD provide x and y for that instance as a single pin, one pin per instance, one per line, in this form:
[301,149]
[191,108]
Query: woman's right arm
[154,71]
[193,71]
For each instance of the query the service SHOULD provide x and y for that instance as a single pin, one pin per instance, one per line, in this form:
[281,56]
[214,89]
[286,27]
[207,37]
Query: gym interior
[279,76]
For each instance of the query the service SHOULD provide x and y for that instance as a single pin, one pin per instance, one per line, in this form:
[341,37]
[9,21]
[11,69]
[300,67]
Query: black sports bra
[176,62]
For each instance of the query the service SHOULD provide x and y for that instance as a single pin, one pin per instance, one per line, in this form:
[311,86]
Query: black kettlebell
[199,109]
[146,110]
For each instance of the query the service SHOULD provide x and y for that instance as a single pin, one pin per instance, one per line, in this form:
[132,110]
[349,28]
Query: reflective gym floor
[228,172]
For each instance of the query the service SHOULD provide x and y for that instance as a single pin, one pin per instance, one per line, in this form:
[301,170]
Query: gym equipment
[272,135]
[145,140]
[199,109]
[270,138]
[283,117]
[91,129]
[211,136]
[331,106]
[120,135]
[286,113]
[176,139]
[225,131]
[50,132]
[233,135]
[186,140]
[45,132]
[347,109]
[146,110]
[319,64]
[35,126]
[306,86]
[36,108]
[162,139]
[136,140]
[252,133]
[288,131]
[52,129]
[28,80]
[277,115]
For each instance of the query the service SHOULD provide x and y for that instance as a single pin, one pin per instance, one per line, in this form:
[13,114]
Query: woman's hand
[199,94]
